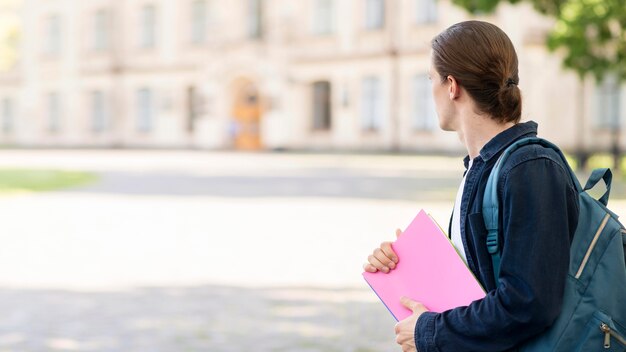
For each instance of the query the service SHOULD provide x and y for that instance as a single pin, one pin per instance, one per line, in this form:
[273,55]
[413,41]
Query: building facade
[267,74]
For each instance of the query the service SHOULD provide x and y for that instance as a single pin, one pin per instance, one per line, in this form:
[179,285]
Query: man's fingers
[377,264]
[411,304]
[405,329]
[398,233]
[407,302]
[369,268]
[386,248]
[384,258]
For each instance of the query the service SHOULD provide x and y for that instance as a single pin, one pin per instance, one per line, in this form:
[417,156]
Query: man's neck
[477,130]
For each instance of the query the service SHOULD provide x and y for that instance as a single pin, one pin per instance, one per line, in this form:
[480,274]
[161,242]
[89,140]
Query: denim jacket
[538,217]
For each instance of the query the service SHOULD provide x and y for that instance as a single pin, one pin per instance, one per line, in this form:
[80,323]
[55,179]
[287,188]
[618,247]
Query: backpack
[593,315]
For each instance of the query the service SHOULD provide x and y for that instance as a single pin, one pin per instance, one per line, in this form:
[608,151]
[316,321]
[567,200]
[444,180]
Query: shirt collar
[504,139]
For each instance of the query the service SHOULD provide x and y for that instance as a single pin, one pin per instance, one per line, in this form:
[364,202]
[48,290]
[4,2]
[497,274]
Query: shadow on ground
[210,318]
[440,186]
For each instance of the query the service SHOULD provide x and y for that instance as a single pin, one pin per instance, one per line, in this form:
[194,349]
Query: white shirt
[456,218]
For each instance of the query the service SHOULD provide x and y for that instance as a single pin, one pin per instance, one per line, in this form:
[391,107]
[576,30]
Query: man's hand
[383,258]
[405,329]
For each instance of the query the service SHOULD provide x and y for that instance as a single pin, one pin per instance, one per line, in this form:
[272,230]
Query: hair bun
[510,99]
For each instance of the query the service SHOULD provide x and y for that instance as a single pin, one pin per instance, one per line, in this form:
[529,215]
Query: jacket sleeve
[538,208]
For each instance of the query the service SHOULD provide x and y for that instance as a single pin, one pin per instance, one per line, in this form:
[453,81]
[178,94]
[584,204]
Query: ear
[454,90]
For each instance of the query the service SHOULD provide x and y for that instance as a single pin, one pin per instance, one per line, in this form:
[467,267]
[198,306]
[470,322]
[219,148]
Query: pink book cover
[429,271]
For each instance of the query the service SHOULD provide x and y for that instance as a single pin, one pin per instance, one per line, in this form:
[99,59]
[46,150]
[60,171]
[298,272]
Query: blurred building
[272,74]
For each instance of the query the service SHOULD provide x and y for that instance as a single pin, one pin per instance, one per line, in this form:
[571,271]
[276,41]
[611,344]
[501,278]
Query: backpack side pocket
[602,334]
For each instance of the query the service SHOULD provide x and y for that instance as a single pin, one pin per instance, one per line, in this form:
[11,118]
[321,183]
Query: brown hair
[482,59]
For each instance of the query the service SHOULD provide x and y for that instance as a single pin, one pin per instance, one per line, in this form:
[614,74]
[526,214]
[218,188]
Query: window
[322,109]
[99,119]
[372,111]
[199,21]
[148,26]
[608,108]
[7,115]
[255,19]
[145,110]
[426,11]
[323,17]
[193,108]
[101,30]
[54,112]
[53,35]
[374,14]
[424,114]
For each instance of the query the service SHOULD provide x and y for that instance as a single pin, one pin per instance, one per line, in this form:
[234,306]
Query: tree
[9,33]
[591,34]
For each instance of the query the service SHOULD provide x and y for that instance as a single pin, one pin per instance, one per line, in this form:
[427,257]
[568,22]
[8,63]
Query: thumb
[398,233]
[408,303]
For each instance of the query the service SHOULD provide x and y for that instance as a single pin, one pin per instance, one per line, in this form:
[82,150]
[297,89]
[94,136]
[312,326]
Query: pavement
[208,251]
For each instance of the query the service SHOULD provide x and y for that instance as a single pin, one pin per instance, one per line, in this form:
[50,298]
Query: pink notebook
[429,271]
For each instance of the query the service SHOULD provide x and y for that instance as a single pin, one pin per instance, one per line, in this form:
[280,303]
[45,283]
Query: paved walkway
[207,318]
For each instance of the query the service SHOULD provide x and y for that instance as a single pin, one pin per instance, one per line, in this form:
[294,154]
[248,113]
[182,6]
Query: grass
[22,180]
[602,160]
[599,160]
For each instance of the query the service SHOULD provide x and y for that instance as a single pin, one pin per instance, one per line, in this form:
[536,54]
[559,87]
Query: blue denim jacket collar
[504,139]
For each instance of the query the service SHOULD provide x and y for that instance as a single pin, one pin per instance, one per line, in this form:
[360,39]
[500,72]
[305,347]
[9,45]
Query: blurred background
[203,175]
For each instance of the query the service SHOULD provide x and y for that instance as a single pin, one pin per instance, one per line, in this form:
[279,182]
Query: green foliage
[477,6]
[591,33]
[572,161]
[9,33]
[16,180]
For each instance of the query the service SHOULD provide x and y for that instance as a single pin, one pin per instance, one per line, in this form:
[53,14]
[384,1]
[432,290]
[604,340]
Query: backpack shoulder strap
[490,199]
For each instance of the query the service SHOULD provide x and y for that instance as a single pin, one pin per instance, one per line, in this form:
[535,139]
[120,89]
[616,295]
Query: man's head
[479,58]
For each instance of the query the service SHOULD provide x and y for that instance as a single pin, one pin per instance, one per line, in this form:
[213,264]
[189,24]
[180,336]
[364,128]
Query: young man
[474,73]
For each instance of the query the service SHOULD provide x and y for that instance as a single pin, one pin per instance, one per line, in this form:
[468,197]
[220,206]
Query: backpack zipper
[592,245]
[608,332]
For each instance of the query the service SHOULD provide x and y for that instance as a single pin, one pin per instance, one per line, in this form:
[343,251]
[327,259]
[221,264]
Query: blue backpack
[593,315]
